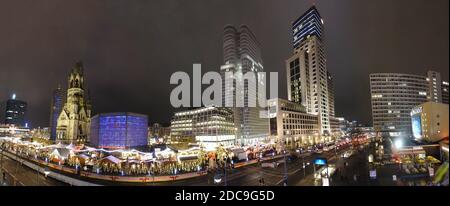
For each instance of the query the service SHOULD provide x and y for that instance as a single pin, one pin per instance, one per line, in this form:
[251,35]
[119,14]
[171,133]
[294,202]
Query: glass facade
[309,24]
[119,130]
[15,112]
[58,101]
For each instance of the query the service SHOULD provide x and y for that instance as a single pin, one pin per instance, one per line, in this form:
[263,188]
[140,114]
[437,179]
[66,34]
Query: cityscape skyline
[139,94]
[108,118]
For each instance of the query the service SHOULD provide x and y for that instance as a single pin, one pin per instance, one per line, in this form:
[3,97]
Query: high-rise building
[73,123]
[394,95]
[435,89]
[58,101]
[241,57]
[307,25]
[330,95]
[15,111]
[307,75]
[445,91]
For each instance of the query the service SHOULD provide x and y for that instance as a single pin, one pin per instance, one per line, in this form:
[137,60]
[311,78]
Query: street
[350,171]
[25,176]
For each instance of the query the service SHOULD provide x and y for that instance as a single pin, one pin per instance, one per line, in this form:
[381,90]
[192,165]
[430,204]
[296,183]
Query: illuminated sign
[320,161]
[416,122]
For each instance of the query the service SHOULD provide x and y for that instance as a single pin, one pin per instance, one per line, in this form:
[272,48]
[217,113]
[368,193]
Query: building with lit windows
[308,80]
[330,95]
[208,126]
[435,86]
[429,122]
[15,112]
[9,130]
[445,91]
[289,122]
[58,100]
[394,95]
[158,133]
[242,56]
[307,25]
[119,130]
[158,130]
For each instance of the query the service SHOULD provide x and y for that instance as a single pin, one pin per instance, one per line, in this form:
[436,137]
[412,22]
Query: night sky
[130,48]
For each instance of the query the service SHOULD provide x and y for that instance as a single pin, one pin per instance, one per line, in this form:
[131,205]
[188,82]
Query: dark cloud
[130,49]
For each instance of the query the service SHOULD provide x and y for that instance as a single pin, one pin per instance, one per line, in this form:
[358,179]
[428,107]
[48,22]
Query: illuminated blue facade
[309,24]
[119,130]
[58,100]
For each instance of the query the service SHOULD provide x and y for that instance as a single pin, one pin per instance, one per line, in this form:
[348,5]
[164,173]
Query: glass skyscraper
[241,56]
[308,24]
[308,79]
[58,99]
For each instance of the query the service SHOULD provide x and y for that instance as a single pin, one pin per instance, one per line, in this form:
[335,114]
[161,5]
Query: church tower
[75,118]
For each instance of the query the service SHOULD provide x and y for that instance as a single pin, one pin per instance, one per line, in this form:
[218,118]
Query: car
[269,164]
[319,151]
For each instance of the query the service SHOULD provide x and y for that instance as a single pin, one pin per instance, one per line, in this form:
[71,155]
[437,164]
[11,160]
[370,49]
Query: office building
[208,126]
[289,122]
[58,100]
[15,112]
[330,95]
[435,89]
[307,25]
[241,57]
[445,91]
[307,75]
[119,130]
[9,130]
[430,122]
[394,95]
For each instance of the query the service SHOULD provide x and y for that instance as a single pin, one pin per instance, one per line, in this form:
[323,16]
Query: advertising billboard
[416,126]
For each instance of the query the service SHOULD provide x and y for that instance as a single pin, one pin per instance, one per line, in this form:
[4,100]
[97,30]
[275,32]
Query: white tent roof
[112,159]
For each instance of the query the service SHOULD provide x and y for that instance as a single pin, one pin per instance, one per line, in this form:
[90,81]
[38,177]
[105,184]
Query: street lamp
[285,164]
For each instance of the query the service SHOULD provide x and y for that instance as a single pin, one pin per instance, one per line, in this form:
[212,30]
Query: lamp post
[285,164]
[335,148]
[304,166]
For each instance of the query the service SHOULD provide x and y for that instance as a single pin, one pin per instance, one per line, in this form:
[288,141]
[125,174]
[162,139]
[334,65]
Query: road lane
[27,176]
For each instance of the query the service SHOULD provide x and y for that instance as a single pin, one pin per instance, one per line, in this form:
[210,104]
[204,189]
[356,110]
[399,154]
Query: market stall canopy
[111,159]
[70,146]
[83,156]
[187,157]
[61,152]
